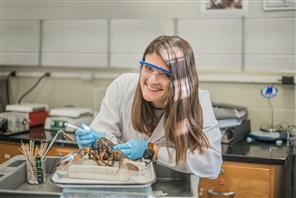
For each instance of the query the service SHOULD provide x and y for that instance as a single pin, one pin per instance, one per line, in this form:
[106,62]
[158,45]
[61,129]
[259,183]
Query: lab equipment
[16,122]
[75,115]
[36,112]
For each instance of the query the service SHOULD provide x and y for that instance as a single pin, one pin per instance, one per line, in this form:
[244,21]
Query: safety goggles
[149,69]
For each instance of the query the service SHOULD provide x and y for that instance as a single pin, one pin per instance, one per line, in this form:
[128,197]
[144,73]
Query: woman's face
[155,84]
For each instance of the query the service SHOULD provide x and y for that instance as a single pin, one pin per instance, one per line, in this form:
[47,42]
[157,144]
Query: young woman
[161,113]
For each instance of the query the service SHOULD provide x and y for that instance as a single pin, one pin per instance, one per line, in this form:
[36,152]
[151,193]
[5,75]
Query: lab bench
[255,169]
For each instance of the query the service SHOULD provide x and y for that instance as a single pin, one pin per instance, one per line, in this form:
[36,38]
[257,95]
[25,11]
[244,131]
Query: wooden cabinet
[61,151]
[11,149]
[244,180]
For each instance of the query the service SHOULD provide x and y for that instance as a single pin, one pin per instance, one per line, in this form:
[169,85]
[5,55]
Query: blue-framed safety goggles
[155,66]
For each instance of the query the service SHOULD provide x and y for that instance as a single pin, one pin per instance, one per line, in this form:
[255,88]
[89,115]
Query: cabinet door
[241,180]
[9,150]
[61,151]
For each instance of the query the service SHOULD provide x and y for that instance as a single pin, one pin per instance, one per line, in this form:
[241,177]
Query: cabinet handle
[221,193]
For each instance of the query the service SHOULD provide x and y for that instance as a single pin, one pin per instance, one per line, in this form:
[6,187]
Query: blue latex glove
[134,149]
[86,136]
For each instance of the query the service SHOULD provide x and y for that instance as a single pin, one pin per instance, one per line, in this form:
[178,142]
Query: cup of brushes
[36,158]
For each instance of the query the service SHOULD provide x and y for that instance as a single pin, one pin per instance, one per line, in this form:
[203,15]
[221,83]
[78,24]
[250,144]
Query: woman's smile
[152,88]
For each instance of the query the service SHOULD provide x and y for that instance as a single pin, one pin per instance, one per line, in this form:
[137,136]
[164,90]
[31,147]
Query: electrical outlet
[13,73]
[288,80]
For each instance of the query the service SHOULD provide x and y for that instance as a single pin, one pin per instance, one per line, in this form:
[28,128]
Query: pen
[39,175]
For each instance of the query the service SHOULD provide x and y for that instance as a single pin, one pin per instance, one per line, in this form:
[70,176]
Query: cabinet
[244,180]
[61,151]
[11,149]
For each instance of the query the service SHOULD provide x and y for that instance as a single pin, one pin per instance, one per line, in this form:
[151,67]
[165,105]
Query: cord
[3,107]
[44,75]
[292,170]
[7,85]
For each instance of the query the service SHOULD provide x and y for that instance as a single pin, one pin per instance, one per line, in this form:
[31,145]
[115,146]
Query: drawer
[9,150]
[245,180]
[61,151]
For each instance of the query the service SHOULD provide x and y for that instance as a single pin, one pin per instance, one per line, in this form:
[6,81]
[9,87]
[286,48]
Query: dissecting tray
[143,178]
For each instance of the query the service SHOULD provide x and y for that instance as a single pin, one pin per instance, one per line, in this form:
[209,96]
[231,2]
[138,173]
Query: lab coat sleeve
[207,164]
[108,119]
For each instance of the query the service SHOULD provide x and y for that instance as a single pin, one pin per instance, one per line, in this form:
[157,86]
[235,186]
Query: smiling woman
[161,113]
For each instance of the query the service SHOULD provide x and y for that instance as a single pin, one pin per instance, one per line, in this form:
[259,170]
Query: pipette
[71,126]
[75,127]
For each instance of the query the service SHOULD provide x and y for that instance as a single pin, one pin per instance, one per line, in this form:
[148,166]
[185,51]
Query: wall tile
[126,61]
[74,60]
[57,59]
[8,58]
[30,59]
[213,35]
[272,36]
[287,62]
[133,36]
[207,62]
[232,62]
[88,36]
[259,62]
[20,36]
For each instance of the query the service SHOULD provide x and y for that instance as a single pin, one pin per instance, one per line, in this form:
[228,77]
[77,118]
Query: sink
[13,181]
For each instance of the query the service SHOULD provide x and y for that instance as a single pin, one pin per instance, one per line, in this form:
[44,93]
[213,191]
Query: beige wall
[60,92]
[227,49]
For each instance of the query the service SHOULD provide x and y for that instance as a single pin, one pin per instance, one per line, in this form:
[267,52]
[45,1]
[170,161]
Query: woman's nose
[153,77]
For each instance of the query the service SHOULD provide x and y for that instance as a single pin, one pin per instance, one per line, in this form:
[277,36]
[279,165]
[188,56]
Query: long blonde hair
[183,121]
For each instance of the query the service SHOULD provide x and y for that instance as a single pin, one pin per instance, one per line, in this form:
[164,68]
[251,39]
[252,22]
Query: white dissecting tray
[105,177]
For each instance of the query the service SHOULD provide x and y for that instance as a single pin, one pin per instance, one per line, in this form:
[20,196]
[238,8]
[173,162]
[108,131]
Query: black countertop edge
[38,141]
[257,160]
[240,152]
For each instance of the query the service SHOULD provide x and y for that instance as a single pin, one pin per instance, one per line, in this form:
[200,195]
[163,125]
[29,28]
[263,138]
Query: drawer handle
[221,193]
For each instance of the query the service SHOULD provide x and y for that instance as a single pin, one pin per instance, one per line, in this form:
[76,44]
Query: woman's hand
[133,148]
[87,136]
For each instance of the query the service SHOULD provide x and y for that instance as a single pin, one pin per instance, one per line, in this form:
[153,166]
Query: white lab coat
[114,119]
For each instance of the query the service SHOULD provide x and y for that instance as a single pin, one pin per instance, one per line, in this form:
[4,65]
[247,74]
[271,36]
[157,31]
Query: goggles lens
[148,70]
[155,66]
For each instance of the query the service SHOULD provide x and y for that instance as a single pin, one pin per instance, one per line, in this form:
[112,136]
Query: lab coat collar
[158,132]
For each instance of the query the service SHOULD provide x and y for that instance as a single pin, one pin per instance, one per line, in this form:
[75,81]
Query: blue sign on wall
[269,91]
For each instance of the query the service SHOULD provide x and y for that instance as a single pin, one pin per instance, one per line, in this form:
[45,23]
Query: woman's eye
[165,75]
[148,67]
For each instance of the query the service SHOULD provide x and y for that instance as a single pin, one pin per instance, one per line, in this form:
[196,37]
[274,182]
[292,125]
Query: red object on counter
[37,118]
